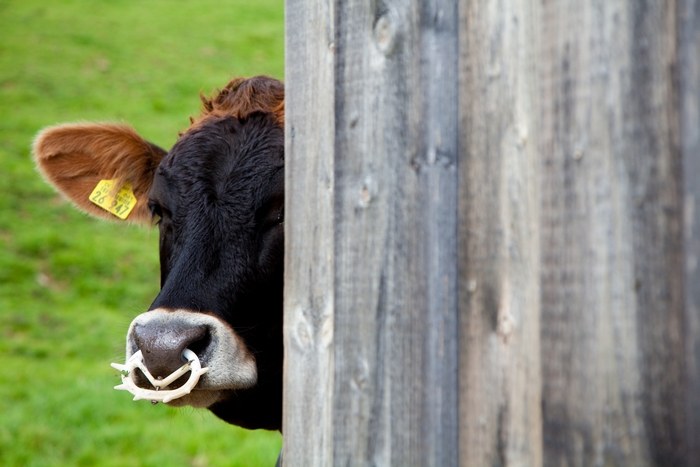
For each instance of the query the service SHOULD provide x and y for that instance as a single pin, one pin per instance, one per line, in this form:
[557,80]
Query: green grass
[69,284]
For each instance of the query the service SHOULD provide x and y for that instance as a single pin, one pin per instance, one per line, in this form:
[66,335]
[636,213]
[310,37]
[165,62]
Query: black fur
[219,195]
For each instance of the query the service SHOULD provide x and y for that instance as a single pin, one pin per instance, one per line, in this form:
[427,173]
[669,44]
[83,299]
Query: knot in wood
[367,193]
[302,334]
[385,32]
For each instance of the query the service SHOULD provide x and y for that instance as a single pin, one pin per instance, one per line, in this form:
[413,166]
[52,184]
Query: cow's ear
[75,158]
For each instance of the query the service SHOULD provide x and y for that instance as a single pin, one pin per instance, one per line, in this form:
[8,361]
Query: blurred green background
[69,284]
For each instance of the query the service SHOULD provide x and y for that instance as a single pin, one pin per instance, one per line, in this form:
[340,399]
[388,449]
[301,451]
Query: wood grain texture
[387,140]
[500,388]
[689,101]
[612,315]
[396,108]
[309,248]
[492,239]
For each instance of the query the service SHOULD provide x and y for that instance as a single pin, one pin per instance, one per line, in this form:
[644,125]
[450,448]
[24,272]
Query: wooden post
[500,391]
[309,239]
[689,101]
[371,293]
[492,235]
[612,335]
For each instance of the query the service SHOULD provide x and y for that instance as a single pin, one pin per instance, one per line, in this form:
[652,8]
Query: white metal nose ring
[158,394]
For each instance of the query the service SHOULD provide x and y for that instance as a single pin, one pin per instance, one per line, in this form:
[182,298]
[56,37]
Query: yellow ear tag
[120,203]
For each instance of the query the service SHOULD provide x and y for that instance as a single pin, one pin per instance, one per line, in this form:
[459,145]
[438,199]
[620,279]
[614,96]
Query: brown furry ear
[76,157]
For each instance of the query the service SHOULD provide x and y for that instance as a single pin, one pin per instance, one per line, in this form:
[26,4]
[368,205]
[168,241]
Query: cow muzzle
[184,358]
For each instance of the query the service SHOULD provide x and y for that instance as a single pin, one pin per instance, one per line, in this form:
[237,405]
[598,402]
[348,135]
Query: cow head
[218,198]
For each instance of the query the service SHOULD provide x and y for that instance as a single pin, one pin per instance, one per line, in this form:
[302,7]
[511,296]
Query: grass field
[69,285]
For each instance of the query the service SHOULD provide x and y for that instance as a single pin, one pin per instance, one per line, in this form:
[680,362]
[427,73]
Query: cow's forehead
[256,139]
[223,152]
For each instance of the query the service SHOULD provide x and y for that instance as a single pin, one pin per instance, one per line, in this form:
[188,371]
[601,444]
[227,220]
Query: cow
[217,198]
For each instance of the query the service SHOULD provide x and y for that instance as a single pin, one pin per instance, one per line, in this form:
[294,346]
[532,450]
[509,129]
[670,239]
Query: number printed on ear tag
[120,203]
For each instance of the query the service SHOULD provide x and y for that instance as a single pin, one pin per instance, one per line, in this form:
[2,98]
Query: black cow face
[218,198]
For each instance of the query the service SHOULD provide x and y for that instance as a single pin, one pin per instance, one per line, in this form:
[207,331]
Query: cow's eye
[280,216]
[271,213]
[156,212]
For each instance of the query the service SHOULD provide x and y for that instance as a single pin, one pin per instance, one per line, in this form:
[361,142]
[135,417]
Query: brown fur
[75,157]
[241,97]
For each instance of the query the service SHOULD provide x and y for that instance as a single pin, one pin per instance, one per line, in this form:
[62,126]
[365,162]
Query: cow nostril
[199,346]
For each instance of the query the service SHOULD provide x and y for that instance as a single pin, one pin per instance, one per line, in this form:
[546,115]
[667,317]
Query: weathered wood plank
[499,243]
[395,305]
[309,246]
[485,256]
[689,100]
[390,288]
[612,295]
